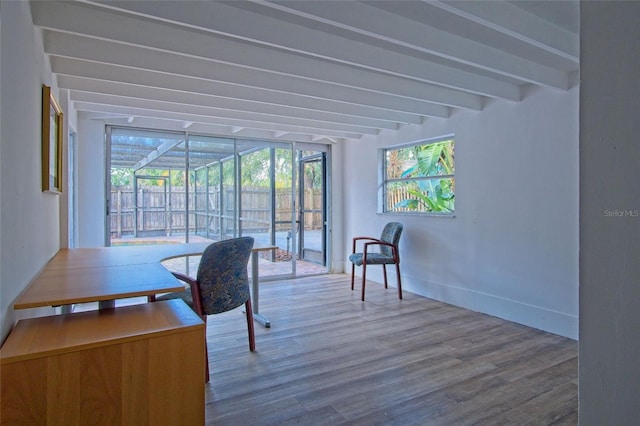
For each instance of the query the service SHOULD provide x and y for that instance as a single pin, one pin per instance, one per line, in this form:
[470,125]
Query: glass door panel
[312,229]
[284,214]
[255,199]
[150,203]
[228,197]
[140,185]
[214,173]
[208,188]
[212,183]
[263,166]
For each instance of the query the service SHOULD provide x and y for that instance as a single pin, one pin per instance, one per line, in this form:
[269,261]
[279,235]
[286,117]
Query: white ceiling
[303,70]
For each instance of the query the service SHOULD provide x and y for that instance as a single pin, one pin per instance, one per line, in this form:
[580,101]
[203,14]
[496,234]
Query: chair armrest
[195,291]
[394,249]
[355,239]
[182,277]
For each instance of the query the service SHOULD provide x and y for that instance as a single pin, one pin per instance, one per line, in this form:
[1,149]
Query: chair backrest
[222,275]
[390,234]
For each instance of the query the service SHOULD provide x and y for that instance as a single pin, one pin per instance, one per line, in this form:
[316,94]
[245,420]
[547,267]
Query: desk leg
[106,304]
[255,298]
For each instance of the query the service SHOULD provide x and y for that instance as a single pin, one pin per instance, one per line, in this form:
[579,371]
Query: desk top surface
[104,273]
[45,336]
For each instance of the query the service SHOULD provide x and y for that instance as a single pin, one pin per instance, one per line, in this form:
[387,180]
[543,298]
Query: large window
[167,187]
[418,178]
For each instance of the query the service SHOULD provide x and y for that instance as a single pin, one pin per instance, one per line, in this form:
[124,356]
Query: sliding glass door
[311,212]
[167,187]
[145,187]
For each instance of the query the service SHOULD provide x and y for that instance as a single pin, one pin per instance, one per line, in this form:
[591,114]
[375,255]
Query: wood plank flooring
[330,359]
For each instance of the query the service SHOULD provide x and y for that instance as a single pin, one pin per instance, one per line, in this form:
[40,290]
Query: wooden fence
[161,213]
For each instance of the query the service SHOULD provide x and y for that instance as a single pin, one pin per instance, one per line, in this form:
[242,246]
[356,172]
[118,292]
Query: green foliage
[312,174]
[430,197]
[256,168]
[255,172]
[121,177]
[435,159]
[429,193]
[283,168]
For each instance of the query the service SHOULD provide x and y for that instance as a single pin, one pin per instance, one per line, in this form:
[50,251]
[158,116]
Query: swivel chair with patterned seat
[387,254]
[221,283]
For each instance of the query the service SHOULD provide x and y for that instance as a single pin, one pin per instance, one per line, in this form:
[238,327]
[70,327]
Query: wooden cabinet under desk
[137,365]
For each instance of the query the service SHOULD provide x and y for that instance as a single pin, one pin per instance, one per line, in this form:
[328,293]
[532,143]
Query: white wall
[336,214]
[512,248]
[70,122]
[29,232]
[610,213]
[91,183]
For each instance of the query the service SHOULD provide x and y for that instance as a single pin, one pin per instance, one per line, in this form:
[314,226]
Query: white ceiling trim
[168,39]
[258,120]
[225,105]
[225,19]
[377,23]
[199,117]
[519,24]
[303,70]
[67,67]
[94,50]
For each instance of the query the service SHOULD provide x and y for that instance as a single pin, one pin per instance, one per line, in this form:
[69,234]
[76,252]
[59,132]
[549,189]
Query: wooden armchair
[222,283]
[388,254]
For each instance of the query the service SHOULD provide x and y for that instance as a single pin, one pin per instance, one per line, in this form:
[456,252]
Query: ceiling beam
[80,19]
[156,153]
[511,20]
[148,78]
[246,24]
[79,84]
[70,46]
[181,117]
[218,113]
[383,20]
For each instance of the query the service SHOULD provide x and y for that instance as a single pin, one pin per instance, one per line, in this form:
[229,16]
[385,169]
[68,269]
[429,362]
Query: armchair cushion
[224,285]
[372,259]
[382,251]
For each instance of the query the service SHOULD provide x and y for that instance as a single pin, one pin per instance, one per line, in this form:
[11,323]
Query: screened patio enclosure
[176,187]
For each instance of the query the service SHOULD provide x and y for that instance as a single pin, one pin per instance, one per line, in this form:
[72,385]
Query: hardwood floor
[330,359]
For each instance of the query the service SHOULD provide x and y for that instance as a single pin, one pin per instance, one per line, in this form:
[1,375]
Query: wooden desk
[141,364]
[104,274]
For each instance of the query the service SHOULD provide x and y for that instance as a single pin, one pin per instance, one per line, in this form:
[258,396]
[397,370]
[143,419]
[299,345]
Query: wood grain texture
[134,365]
[330,359]
[57,334]
[105,273]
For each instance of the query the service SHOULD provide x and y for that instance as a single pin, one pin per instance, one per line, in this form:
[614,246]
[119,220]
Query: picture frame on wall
[52,125]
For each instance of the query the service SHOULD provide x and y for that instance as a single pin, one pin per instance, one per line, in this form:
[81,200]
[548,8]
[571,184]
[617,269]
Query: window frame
[384,181]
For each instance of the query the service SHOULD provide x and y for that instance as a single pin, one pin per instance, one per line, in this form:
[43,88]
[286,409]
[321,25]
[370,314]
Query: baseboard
[511,310]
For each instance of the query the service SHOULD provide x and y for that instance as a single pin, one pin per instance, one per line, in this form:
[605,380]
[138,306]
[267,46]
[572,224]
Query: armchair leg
[384,272]
[206,363]
[399,282]
[364,278]
[252,337]
[353,271]
[206,351]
